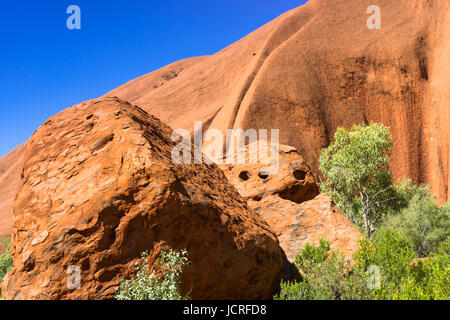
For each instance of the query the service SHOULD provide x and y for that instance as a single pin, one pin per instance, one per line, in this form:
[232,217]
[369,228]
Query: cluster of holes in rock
[245,175]
[293,194]
[298,174]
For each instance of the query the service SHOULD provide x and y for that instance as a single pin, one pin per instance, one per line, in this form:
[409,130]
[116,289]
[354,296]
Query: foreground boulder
[289,201]
[99,187]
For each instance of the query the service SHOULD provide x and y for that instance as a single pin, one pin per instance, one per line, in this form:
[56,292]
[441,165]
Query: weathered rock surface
[289,201]
[99,187]
[291,178]
[313,69]
[10,166]
[296,224]
[318,67]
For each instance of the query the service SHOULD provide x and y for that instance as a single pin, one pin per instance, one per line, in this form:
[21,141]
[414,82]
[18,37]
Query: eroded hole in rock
[102,142]
[263,175]
[244,175]
[299,193]
[299,174]
[89,116]
[257,198]
[89,127]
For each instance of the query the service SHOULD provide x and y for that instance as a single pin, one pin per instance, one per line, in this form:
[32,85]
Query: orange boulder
[99,187]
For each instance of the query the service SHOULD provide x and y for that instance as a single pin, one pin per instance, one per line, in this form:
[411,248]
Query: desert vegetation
[358,177]
[162,283]
[383,269]
[405,254]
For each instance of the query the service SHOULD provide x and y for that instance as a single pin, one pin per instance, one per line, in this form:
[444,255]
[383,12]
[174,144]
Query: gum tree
[359,180]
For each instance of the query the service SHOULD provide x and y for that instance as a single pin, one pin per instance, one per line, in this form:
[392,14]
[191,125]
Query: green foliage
[444,247]
[326,274]
[392,253]
[384,269]
[6,261]
[405,190]
[401,222]
[356,165]
[428,279]
[294,291]
[359,180]
[402,277]
[148,285]
[425,223]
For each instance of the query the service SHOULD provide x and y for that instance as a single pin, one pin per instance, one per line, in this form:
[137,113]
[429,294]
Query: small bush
[326,274]
[402,276]
[294,291]
[428,279]
[426,224]
[151,286]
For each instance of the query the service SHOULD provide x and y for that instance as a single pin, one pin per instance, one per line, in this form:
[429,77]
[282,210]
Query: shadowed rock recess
[99,187]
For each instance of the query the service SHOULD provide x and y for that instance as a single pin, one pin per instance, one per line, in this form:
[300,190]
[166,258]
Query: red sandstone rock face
[289,201]
[296,224]
[313,69]
[10,166]
[318,67]
[99,187]
[287,176]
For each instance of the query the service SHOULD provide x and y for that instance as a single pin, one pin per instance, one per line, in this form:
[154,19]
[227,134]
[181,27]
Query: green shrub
[326,275]
[392,253]
[444,247]
[401,276]
[359,180]
[394,273]
[6,261]
[428,279]
[391,250]
[425,223]
[153,286]
[294,291]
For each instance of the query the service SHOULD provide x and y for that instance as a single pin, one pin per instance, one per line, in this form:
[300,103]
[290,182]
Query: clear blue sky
[45,67]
